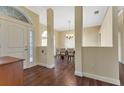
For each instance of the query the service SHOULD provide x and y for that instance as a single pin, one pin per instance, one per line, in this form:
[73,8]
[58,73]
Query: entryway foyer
[45,45]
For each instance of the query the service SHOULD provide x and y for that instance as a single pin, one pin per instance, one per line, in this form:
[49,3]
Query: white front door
[15,41]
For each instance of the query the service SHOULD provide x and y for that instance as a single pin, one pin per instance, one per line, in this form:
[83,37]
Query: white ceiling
[91,19]
[64,14]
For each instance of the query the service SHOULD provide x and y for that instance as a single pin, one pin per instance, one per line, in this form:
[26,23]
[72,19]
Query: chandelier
[69,35]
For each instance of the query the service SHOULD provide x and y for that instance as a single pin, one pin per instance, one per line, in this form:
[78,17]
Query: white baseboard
[101,78]
[50,66]
[42,64]
[29,66]
[121,62]
[46,65]
[78,73]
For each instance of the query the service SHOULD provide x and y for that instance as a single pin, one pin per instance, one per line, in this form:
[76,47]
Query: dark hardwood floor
[121,70]
[61,75]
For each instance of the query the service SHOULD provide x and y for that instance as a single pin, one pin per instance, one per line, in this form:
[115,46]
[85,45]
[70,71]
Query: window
[12,12]
[44,38]
[30,46]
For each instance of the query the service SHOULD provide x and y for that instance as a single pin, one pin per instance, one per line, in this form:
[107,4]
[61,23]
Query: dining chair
[71,54]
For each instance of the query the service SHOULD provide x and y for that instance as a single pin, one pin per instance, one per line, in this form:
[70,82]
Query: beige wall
[35,21]
[106,30]
[50,38]
[102,62]
[57,39]
[36,25]
[78,40]
[62,37]
[42,57]
[90,37]
[42,29]
[57,35]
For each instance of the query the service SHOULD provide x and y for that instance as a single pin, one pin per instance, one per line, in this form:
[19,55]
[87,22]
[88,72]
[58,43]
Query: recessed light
[96,12]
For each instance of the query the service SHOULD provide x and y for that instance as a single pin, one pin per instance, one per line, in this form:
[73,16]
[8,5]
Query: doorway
[16,41]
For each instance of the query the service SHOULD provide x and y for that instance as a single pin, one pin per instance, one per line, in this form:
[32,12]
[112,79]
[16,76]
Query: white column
[78,40]
[50,38]
[115,38]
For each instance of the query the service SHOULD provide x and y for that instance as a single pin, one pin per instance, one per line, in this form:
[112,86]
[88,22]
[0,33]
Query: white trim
[10,19]
[101,78]
[121,62]
[24,13]
[121,11]
[50,66]
[46,65]
[78,73]
[42,64]
[30,65]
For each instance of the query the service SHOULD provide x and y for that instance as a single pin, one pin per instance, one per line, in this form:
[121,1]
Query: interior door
[15,41]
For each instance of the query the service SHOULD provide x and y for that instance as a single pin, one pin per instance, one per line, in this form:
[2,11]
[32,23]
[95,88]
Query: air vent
[96,12]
